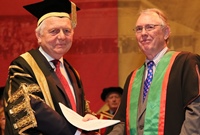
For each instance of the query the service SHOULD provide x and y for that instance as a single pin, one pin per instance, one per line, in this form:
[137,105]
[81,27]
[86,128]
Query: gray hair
[159,12]
[162,16]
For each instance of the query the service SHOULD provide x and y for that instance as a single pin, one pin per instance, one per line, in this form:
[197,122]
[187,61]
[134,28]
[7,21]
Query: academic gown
[24,97]
[182,91]
[104,115]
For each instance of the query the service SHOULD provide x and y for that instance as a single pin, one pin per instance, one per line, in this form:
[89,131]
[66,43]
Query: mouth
[144,42]
[60,44]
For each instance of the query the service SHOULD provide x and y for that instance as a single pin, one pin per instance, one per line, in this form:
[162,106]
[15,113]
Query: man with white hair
[41,78]
[162,96]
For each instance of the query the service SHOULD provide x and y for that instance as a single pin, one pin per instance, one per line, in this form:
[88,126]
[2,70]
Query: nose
[61,35]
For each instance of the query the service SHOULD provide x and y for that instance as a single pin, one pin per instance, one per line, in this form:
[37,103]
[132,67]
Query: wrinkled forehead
[148,18]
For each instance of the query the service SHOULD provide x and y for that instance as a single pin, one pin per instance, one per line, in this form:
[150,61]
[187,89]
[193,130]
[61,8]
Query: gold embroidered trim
[18,108]
[20,74]
[13,76]
[105,114]
[26,122]
[21,91]
[23,94]
[40,78]
[15,66]
[87,106]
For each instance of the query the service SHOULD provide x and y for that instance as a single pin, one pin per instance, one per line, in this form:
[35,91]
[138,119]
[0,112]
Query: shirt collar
[48,57]
[157,58]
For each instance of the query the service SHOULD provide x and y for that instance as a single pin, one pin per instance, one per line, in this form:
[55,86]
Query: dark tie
[64,83]
[149,78]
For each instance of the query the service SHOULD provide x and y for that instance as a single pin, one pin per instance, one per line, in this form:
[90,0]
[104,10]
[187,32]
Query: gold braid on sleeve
[87,108]
[20,110]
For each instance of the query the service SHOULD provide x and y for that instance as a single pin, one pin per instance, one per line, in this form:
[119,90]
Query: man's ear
[38,35]
[167,32]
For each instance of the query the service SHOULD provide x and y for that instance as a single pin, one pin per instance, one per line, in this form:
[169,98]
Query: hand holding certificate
[77,120]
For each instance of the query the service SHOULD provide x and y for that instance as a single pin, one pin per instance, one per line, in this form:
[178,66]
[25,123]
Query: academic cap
[49,8]
[107,91]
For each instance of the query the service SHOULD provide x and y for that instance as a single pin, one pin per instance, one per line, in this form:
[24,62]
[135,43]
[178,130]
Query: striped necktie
[149,79]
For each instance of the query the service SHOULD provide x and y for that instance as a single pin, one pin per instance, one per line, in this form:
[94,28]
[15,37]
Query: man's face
[152,40]
[56,36]
[113,100]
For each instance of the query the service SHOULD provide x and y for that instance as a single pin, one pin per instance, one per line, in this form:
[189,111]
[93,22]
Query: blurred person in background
[112,98]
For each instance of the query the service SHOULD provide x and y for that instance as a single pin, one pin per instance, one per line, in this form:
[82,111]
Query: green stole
[155,107]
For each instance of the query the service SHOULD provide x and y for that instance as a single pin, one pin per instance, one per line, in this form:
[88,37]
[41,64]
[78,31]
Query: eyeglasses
[147,27]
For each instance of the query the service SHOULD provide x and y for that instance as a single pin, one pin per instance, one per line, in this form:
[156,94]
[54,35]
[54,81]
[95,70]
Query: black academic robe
[182,90]
[25,99]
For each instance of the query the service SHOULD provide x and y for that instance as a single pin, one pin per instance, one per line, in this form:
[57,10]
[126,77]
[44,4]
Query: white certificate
[76,120]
